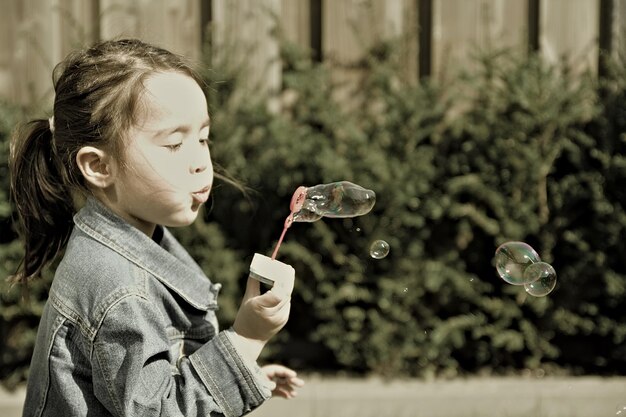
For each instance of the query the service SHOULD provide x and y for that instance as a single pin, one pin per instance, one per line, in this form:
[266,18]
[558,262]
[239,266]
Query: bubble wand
[297,201]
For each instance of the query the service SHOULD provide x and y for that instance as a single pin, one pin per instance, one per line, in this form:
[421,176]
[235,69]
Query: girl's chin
[184,219]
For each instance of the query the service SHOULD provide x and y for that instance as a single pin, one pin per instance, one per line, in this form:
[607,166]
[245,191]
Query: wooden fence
[438,35]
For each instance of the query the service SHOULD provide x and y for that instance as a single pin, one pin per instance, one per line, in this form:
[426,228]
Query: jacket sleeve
[133,376]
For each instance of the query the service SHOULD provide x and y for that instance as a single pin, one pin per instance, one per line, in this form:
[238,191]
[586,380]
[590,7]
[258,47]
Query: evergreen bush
[515,150]
[20,310]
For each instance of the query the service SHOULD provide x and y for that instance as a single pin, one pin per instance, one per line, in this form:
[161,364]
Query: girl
[129,328]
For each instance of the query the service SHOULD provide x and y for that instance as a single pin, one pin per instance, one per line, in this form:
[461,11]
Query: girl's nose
[199,169]
[200,161]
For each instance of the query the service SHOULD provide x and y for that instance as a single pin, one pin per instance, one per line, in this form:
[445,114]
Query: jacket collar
[167,260]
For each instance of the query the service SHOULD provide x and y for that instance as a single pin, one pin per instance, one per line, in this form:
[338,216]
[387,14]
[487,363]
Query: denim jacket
[129,329]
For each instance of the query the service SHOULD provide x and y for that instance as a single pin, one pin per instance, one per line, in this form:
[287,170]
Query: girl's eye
[205,141]
[174,148]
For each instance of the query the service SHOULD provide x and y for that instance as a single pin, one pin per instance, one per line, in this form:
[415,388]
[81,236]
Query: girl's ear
[96,165]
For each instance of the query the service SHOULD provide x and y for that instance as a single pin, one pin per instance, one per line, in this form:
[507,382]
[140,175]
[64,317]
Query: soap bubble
[541,279]
[379,249]
[336,200]
[512,259]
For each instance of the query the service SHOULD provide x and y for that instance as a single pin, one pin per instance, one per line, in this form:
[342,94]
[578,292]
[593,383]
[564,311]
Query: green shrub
[19,310]
[516,150]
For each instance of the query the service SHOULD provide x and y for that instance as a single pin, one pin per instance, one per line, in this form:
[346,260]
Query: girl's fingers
[275,370]
[286,394]
[286,380]
[253,287]
[297,382]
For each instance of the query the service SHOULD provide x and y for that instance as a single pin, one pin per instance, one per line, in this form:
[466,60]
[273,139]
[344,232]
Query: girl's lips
[201,196]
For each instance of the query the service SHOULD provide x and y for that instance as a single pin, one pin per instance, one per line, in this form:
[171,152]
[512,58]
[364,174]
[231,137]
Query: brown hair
[96,95]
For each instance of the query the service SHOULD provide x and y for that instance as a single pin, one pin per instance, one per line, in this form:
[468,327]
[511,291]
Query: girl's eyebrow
[181,128]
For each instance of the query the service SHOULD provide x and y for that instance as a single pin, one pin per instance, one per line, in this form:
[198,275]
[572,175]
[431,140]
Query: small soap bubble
[379,249]
[541,278]
[512,259]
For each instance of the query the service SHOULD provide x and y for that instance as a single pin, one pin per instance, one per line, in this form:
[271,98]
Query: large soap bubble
[512,259]
[336,200]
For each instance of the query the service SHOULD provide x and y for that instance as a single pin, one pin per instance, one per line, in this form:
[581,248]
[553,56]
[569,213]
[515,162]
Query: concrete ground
[11,403]
[488,397]
[479,397]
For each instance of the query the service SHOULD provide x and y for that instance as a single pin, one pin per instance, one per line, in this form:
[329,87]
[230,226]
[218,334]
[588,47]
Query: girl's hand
[260,316]
[286,380]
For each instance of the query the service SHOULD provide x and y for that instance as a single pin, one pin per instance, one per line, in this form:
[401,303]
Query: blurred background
[476,122]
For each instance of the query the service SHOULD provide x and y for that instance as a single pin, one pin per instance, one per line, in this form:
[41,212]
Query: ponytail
[43,200]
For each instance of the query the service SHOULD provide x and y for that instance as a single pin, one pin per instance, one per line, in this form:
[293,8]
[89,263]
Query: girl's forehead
[172,96]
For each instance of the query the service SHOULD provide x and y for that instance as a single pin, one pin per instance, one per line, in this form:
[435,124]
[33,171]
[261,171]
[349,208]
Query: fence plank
[569,30]
[295,21]
[9,21]
[350,27]
[30,52]
[171,24]
[619,28]
[463,27]
[73,25]
[118,18]
[40,34]
[243,31]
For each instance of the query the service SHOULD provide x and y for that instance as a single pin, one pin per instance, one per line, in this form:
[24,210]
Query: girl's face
[168,172]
